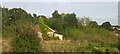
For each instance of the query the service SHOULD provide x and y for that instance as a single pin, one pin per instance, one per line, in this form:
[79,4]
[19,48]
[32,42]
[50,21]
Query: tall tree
[70,20]
[34,16]
[85,21]
[57,21]
[55,14]
[17,24]
[106,25]
[93,24]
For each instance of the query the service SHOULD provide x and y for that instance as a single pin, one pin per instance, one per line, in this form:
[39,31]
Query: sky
[59,0]
[97,11]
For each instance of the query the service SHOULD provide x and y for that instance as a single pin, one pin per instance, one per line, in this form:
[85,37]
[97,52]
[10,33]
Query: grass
[73,33]
[6,45]
[79,40]
[57,46]
[84,40]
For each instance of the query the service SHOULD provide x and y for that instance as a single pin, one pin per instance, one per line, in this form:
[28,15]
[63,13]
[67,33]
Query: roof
[37,29]
[49,28]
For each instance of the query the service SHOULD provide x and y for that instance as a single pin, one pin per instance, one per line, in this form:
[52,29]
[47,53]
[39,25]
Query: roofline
[51,29]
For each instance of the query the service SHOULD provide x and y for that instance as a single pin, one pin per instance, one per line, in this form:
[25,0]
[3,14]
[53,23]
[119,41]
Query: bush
[26,42]
[95,31]
[73,33]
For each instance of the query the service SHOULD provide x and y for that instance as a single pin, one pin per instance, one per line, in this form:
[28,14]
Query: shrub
[73,33]
[25,42]
[95,31]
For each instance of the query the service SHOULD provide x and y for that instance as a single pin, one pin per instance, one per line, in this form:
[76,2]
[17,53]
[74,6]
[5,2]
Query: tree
[23,37]
[34,16]
[55,14]
[70,20]
[93,24]
[57,21]
[106,25]
[40,23]
[85,21]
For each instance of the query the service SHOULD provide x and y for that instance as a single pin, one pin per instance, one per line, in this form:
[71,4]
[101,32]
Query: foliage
[70,20]
[17,25]
[106,25]
[40,23]
[66,46]
[56,14]
[57,21]
[26,42]
[85,21]
[86,35]
[93,24]
[72,33]
[34,16]
[95,31]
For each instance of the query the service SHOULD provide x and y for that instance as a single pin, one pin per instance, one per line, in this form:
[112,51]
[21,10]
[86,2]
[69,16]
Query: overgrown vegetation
[17,25]
[83,33]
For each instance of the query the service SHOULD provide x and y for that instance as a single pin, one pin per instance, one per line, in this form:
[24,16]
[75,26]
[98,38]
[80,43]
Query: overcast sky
[98,11]
[59,0]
